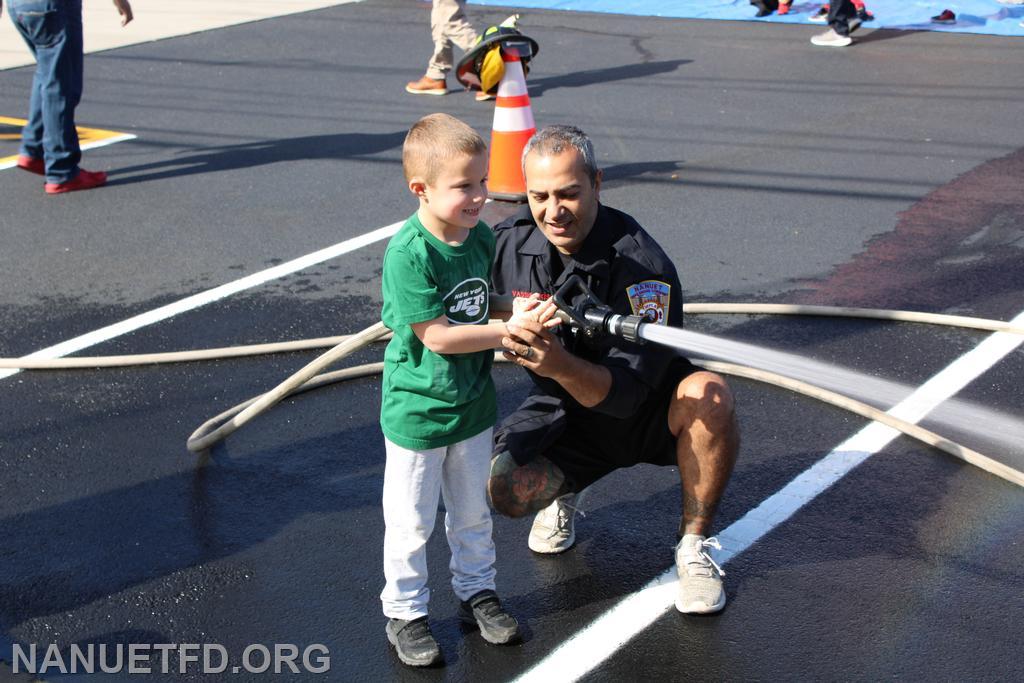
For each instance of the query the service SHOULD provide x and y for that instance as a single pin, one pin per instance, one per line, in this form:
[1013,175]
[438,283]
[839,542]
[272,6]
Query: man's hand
[124,9]
[532,345]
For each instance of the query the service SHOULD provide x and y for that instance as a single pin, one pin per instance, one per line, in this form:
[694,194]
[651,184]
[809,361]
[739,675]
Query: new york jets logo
[467,303]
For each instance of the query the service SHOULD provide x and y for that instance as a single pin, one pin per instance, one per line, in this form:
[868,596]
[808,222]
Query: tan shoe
[482,96]
[700,577]
[427,86]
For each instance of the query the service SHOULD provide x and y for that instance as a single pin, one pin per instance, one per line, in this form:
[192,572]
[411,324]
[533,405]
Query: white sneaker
[700,579]
[831,39]
[554,529]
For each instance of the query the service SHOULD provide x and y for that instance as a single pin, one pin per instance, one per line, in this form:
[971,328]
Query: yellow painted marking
[88,138]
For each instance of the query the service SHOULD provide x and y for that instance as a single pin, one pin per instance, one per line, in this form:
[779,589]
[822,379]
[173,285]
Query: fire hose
[585,313]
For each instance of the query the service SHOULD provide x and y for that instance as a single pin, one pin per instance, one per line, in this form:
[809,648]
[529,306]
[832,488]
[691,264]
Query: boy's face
[456,196]
[562,199]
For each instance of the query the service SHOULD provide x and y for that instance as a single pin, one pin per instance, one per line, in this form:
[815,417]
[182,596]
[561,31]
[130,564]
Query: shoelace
[703,558]
[563,517]
[491,607]
[418,630]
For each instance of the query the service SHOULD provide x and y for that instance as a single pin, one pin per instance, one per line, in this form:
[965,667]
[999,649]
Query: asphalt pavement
[886,175]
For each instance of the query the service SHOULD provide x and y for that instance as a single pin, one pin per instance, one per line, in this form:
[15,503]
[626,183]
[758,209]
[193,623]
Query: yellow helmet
[482,65]
[492,69]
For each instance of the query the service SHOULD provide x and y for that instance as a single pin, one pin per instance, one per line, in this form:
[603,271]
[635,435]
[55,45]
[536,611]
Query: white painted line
[11,163]
[108,141]
[209,296]
[582,652]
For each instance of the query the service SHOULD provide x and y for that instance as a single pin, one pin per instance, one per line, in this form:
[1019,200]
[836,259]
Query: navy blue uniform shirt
[617,256]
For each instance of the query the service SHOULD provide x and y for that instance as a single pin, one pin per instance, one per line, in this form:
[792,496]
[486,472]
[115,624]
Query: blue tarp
[972,16]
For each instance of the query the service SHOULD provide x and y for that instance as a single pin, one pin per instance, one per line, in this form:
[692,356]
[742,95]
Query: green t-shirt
[428,399]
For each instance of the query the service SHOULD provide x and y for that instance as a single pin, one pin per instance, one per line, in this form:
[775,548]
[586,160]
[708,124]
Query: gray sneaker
[484,609]
[413,641]
[554,528]
[831,39]
[700,579]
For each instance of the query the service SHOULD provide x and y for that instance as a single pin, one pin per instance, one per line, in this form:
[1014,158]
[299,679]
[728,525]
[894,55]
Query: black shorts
[588,445]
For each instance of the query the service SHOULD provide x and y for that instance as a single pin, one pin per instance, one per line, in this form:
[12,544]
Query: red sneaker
[85,180]
[31,164]
[947,17]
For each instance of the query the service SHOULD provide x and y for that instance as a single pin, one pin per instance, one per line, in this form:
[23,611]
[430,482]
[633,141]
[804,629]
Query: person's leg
[30,26]
[54,30]
[840,12]
[468,517]
[703,422]
[517,490]
[448,27]
[412,484]
[523,481]
[468,525]
[32,133]
[459,30]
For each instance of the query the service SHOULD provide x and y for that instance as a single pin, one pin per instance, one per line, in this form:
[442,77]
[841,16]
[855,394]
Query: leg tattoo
[517,490]
[697,516]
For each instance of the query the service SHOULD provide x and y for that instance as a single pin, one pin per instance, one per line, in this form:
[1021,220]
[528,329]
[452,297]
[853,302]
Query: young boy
[438,405]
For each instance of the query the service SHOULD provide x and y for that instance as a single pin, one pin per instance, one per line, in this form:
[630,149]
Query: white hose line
[306,378]
[870,412]
[847,312]
[84,362]
[75,362]
[200,440]
[839,400]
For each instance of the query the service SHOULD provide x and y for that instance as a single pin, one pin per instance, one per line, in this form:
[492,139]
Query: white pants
[412,481]
[448,25]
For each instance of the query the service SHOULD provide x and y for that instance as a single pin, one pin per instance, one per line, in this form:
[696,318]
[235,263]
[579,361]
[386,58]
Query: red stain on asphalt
[937,246]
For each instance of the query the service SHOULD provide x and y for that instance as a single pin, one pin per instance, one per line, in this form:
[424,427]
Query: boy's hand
[522,307]
[533,309]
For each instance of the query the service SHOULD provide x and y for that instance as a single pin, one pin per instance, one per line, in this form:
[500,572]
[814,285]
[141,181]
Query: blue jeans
[53,31]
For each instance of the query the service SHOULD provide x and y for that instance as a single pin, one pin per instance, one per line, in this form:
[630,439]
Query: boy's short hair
[435,139]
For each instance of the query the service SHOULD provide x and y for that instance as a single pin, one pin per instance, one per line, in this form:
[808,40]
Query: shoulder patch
[650,295]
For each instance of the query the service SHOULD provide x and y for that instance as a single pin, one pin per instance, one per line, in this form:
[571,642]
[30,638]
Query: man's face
[562,199]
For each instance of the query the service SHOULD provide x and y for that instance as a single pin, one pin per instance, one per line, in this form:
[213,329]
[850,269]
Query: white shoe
[554,529]
[700,579]
[831,39]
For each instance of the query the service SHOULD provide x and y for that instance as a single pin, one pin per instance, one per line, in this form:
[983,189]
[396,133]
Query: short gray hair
[554,140]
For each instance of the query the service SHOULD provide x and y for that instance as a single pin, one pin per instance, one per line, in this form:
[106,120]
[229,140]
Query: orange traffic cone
[513,126]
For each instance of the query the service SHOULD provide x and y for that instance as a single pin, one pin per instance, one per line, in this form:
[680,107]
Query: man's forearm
[586,382]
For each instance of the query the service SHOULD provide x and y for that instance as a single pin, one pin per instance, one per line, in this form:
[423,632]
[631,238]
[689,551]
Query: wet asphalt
[887,175]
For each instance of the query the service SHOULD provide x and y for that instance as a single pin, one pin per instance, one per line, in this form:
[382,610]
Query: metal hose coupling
[628,326]
[593,317]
